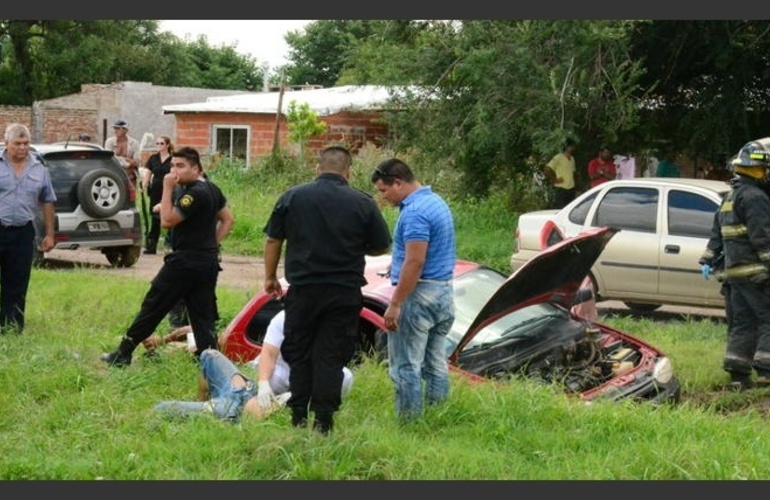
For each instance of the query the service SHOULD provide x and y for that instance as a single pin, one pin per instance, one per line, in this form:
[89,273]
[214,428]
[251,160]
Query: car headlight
[663,371]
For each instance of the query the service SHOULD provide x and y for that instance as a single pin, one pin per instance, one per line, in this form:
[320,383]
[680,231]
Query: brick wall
[68,124]
[15,114]
[353,129]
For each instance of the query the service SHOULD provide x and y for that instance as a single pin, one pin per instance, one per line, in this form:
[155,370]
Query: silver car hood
[554,275]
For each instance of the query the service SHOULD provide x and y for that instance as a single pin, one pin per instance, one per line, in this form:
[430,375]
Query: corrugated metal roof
[325,102]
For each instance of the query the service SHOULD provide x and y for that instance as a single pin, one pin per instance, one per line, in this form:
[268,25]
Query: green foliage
[303,123]
[319,53]
[42,59]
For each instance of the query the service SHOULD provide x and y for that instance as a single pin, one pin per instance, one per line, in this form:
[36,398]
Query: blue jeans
[417,350]
[226,401]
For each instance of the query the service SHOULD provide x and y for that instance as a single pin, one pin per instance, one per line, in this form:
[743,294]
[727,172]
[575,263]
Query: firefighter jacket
[742,232]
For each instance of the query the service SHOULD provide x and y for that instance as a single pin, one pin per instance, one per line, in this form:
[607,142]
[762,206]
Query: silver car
[653,260]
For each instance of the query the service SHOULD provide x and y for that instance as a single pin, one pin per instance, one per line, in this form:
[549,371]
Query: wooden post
[277,135]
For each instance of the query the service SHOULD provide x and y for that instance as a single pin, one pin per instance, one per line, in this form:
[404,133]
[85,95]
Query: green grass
[63,415]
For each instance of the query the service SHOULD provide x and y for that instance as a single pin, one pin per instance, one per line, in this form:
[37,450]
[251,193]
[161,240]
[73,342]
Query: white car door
[685,231]
[628,267]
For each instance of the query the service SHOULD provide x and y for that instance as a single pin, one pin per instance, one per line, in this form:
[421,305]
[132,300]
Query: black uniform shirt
[328,227]
[199,204]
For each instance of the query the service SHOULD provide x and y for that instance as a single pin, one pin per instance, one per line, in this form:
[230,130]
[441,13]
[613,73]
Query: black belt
[4,227]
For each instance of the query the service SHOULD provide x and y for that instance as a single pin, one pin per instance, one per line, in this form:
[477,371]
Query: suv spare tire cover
[102,193]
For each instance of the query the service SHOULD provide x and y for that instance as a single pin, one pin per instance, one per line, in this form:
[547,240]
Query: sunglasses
[160,143]
[379,172]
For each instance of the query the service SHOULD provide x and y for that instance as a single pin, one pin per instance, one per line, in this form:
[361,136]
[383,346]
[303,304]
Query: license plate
[98,227]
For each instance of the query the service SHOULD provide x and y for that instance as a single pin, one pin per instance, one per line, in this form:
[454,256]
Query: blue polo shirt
[21,197]
[425,216]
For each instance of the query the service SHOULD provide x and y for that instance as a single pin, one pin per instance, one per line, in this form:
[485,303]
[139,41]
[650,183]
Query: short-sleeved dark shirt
[199,204]
[329,228]
[159,170]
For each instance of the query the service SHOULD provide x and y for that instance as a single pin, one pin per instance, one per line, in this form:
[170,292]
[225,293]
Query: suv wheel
[101,193]
[123,256]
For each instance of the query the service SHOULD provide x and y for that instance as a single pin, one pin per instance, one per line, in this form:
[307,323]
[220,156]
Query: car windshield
[518,325]
[472,291]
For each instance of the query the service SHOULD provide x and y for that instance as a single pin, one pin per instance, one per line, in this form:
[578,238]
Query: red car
[526,324]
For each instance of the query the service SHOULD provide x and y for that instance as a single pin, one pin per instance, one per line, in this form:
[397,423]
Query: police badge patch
[185,201]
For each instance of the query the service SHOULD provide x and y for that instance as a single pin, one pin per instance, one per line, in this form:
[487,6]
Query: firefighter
[742,232]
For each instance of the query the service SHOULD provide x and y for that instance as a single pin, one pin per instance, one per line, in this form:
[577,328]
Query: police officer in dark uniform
[742,232]
[329,227]
[200,219]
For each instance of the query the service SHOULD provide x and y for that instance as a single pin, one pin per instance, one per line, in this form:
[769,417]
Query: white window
[231,141]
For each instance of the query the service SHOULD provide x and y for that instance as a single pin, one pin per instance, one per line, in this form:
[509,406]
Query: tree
[302,123]
[42,59]
[709,83]
[499,97]
[319,53]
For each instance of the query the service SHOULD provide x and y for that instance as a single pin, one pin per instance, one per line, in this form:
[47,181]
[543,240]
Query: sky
[262,39]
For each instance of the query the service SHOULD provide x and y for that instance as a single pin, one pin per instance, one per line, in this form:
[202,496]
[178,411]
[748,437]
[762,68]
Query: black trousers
[749,327]
[562,197]
[154,233]
[15,271]
[188,276]
[320,336]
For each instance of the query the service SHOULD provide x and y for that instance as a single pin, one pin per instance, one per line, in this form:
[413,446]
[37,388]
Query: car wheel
[101,193]
[639,307]
[123,256]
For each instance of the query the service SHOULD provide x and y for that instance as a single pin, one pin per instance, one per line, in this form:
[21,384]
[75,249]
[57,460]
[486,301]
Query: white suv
[96,203]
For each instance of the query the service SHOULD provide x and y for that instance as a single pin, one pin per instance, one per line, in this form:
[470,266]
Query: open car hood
[554,275]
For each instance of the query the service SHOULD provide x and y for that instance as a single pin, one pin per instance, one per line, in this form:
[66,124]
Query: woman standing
[158,165]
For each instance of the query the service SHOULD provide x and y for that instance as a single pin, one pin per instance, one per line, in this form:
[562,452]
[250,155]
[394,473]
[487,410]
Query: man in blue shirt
[421,310]
[25,188]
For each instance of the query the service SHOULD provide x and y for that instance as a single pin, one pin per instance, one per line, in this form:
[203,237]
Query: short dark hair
[335,159]
[389,170]
[189,154]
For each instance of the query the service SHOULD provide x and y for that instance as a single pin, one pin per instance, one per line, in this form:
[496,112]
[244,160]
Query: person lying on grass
[225,391]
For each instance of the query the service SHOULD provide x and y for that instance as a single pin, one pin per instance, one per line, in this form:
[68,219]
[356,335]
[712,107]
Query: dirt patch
[239,272]
[726,400]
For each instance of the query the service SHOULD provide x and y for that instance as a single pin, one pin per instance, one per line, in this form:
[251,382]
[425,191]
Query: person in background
[719,171]
[667,167]
[329,228]
[25,188]
[560,171]
[126,149]
[201,219]
[602,168]
[227,392]
[156,168]
[421,310]
[742,232]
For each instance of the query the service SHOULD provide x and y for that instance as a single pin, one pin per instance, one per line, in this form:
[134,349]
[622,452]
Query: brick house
[96,107]
[247,126]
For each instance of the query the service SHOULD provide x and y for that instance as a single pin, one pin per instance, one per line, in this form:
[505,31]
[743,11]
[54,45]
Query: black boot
[323,422]
[740,381]
[299,417]
[122,356]
[151,246]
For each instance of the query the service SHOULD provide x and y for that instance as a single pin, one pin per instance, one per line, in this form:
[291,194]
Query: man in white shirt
[233,393]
